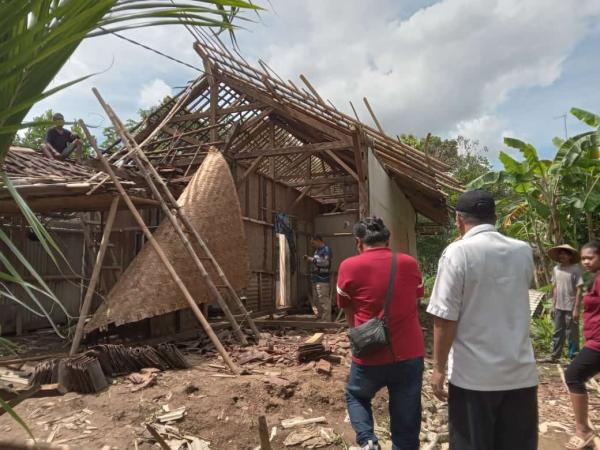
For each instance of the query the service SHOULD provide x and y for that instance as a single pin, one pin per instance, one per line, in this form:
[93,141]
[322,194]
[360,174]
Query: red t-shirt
[362,284]
[591,316]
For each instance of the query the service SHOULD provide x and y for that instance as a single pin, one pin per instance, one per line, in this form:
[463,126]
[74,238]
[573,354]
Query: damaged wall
[388,202]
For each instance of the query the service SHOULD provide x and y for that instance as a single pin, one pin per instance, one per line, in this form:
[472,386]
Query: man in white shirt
[481,306]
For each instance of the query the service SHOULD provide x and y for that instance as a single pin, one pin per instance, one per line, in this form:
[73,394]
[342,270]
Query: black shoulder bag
[373,334]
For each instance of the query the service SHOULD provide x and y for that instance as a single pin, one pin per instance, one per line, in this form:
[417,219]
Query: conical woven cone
[146,289]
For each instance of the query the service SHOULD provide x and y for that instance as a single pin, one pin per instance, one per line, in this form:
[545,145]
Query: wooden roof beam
[221,112]
[320,181]
[310,148]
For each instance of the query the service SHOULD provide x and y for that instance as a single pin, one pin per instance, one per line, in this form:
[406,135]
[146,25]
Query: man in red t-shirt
[361,290]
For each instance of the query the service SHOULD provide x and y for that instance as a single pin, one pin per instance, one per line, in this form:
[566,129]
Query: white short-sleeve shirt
[483,283]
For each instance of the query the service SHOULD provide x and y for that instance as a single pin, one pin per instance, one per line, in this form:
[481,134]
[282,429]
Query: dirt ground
[223,410]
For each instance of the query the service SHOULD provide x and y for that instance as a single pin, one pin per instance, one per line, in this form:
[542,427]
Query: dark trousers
[403,380]
[493,420]
[585,365]
[565,328]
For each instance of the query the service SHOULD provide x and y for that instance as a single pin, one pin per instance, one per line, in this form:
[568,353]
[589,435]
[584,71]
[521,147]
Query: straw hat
[555,251]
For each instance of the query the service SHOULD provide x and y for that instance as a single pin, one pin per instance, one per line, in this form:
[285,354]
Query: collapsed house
[298,166]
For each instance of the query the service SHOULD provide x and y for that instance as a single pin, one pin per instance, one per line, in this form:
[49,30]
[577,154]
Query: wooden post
[161,254]
[89,294]
[359,161]
[263,431]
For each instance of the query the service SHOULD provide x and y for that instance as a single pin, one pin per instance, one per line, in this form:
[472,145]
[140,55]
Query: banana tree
[548,197]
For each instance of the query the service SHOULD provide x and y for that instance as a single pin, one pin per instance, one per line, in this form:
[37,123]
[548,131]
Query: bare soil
[224,410]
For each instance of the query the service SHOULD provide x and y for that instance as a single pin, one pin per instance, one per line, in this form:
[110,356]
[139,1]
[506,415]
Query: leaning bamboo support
[147,165]
[129,142]
[89,294]
[161,254]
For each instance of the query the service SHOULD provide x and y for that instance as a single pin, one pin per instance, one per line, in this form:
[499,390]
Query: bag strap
[390,289]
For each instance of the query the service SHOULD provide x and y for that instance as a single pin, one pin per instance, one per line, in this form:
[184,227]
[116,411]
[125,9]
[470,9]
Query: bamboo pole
[89,295]
[183,217]
[161,254]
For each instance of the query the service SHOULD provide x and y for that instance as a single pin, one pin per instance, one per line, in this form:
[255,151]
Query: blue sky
[482,69]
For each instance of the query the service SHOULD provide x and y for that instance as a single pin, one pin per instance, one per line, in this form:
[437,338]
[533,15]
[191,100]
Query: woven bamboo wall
[146,288]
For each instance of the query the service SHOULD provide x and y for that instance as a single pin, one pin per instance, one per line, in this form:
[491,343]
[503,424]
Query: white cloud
[152,93]
[451,63]
[488,130]
[445,67]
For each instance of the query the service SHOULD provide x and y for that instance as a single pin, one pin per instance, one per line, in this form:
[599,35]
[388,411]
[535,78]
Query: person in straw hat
[567,289]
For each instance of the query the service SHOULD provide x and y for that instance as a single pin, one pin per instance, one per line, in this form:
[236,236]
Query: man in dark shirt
[60,143]
[320,267]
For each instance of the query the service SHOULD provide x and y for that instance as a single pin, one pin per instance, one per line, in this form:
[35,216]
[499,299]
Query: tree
[550,202]
[467,161]
[111,137]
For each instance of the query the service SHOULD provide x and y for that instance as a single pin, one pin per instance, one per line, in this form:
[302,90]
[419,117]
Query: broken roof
[269,125]
[50,185]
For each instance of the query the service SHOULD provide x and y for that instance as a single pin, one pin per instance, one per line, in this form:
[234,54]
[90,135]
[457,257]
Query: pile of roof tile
[87,373]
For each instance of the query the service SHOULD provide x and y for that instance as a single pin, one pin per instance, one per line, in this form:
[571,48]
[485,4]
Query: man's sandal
[577,443]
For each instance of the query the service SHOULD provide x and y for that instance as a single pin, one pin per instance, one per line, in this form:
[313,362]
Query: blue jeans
[403,380]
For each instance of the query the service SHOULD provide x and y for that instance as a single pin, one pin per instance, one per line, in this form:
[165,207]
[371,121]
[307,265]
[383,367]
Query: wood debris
[300,421]
[172,416]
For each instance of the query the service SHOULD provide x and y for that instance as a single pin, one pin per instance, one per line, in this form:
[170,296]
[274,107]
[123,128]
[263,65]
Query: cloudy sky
[483,69]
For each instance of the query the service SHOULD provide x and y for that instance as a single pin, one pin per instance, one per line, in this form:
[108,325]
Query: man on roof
[60,143]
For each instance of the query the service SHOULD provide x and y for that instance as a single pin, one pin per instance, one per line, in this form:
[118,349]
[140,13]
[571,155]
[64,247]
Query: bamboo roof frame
[275,120]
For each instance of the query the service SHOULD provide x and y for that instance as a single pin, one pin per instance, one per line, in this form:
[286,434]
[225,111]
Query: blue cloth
[321,265]
[403,380]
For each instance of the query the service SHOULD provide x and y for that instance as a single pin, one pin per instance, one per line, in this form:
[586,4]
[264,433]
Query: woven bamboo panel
[145,289]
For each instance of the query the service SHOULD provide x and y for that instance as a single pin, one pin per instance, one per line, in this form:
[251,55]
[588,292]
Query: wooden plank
[249,171]
[258,222]
[343,164]
[316,338]
[305,325]
[373,116]
[263,431]
[221,112]
[292,150]
[298,199]
[91,289]
[72,203]
[311,88]
[321,180]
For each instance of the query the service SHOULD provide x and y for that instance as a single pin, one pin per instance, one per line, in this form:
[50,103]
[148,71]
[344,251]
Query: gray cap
[57,116]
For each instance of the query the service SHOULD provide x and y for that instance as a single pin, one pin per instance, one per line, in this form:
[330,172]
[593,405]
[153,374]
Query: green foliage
[550,202]
[541,334]
[111,136]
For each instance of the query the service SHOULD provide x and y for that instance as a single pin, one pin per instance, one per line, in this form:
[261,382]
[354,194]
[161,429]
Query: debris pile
[312,349]
[88,372]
